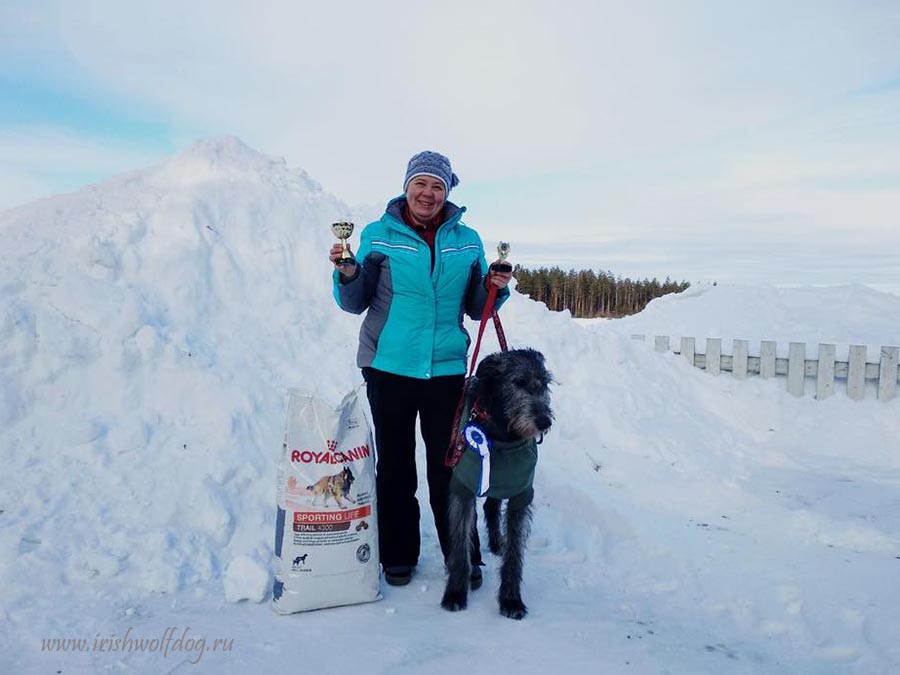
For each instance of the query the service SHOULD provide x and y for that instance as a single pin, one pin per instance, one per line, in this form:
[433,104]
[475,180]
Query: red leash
[488,311]
[457,442]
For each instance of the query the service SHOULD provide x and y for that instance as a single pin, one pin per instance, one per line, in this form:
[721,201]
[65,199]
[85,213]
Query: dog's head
[348,477]
[513,387]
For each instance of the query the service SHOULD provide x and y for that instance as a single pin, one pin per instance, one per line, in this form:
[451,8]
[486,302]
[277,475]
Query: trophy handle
[346,258]
[345,250]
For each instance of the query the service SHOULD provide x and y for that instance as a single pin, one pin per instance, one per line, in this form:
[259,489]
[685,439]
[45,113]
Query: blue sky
[662,133]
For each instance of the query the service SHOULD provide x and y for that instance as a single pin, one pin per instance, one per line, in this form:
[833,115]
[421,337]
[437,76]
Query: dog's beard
[524,427]
[522,419]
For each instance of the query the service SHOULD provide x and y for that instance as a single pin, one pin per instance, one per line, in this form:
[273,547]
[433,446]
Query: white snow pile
[149,327]
[838,315]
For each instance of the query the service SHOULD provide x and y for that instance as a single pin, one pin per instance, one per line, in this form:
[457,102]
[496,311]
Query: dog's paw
[454,601]
[514,609]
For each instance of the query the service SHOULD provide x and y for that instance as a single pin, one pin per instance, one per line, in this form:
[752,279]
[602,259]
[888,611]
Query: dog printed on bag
[336,485]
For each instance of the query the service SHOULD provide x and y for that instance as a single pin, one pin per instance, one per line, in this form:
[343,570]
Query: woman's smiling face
[425,196]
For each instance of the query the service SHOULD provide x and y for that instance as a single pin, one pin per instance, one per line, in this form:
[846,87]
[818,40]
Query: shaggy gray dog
[511,390]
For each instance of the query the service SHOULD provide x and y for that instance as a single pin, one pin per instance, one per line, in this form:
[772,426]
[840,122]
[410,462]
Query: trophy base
[345,262]
[501,267]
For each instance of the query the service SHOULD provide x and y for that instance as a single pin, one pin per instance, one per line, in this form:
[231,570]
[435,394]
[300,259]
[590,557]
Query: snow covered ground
[149,327]
[839,315]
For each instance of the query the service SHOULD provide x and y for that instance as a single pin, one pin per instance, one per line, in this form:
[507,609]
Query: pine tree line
[589,294]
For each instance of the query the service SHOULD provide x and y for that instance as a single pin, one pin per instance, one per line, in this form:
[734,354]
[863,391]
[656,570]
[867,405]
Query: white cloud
[578,119]
[345,89]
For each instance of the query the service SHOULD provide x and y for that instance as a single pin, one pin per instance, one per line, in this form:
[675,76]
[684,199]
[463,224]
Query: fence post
[741,351]
[826,367]
[688,348]
[825,374]
[767,359]
[887,376]
[796,377]
[856,375]
[713,355]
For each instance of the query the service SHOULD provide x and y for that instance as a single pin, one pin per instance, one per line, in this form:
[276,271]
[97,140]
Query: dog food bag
[326,533]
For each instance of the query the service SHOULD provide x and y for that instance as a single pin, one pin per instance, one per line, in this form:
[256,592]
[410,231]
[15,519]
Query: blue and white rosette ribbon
[478,441]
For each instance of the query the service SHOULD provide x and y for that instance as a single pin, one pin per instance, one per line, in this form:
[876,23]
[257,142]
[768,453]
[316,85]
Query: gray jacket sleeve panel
[376,317]
[355,294]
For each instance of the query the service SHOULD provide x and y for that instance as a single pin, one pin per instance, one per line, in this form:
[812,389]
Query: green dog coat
[510,465]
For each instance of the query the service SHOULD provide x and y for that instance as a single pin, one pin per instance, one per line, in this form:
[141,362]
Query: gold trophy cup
[342,231]
[502,254]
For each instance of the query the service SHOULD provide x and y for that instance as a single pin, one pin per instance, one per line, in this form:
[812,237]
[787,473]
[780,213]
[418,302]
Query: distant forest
[588,294]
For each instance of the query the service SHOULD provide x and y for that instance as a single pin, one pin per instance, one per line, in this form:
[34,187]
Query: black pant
[395,401]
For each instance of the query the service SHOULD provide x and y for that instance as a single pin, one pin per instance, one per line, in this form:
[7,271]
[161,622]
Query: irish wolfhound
[510,398]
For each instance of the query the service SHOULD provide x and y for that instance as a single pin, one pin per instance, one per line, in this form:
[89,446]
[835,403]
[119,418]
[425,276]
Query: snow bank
[149,326]
[839,315]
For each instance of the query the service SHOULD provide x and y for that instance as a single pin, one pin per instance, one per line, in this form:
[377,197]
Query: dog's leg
[492,521]
[461,516]
[518,526]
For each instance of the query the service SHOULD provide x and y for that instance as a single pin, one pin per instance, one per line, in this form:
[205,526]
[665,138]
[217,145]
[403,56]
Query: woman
[417,271]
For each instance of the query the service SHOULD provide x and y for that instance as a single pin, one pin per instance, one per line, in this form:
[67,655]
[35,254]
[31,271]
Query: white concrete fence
[797,368]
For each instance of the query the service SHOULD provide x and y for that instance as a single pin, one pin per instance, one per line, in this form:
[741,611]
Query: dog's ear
[489,368]
[541,361]
[486,377]
[536,356]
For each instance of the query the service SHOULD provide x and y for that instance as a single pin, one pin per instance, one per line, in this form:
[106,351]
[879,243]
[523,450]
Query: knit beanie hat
[434,164]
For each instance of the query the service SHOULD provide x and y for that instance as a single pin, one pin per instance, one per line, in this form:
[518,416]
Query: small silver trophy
[342,231]
[502,254]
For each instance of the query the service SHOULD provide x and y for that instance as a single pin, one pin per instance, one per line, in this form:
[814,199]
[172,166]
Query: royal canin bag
[326,531]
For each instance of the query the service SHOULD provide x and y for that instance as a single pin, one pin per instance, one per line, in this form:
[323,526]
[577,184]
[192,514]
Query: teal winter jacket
[414,323]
